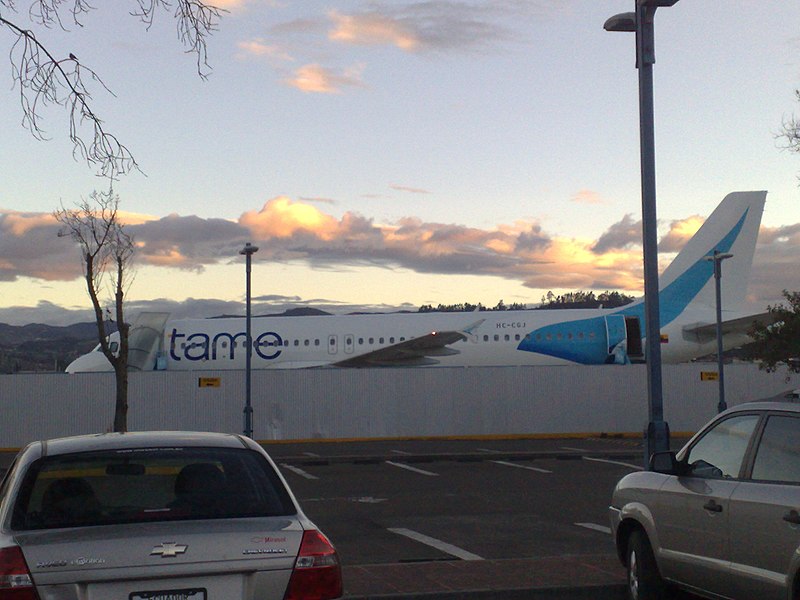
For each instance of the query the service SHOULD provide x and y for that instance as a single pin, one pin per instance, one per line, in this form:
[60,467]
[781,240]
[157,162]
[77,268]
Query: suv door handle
[713,506]
[792,517]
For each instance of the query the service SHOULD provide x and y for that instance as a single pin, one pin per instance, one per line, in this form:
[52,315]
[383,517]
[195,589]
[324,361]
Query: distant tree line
[469,307]
[580,299]
[549,301]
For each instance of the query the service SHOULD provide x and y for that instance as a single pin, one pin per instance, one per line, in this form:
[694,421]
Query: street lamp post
[641,22]
[717,259]
[248,252]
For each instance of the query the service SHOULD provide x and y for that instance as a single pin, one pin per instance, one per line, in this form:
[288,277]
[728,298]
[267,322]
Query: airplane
[687,300]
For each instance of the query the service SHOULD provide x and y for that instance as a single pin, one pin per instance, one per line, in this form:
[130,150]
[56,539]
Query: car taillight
[15,579]
[317,574]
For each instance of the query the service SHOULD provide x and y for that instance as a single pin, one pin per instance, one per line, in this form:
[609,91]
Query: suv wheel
[644,581]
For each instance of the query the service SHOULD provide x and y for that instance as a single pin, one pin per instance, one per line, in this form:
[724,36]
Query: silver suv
[721,517]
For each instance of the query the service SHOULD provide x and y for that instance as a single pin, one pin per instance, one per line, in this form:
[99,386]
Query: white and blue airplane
[687,302]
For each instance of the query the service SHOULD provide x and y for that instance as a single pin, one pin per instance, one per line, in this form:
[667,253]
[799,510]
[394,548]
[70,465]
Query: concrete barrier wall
[379,403]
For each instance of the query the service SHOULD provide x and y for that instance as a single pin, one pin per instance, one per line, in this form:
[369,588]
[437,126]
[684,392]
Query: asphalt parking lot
[472,519]
[455,517]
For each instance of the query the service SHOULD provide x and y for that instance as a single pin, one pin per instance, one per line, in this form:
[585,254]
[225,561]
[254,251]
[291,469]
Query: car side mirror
[664,462]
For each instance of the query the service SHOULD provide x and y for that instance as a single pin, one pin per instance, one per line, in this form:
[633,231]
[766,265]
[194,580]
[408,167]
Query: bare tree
[107,252]
[43,79]
[790,131]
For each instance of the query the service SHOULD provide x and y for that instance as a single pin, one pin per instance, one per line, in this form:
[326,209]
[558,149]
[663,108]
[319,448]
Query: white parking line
[410,468]
[311,454]
[297,471]
[403,452]
[595,527]
[613,462]
[518,466]
[434,543]
[573,449]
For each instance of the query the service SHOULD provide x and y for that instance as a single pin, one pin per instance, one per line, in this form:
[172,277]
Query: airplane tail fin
[731,229]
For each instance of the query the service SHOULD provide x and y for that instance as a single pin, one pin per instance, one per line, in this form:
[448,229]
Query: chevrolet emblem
[169,549]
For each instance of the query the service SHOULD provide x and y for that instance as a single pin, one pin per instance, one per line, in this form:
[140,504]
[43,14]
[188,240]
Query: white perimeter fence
[379,403]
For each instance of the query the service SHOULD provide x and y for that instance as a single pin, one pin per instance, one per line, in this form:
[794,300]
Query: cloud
[258,47]
[405,188]
[315,78]
[679,233]
[623,234]
[370,29]
[290,231]
[588,197]
[30,247]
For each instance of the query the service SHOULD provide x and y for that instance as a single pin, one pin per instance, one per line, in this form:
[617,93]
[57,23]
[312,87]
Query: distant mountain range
[37,347]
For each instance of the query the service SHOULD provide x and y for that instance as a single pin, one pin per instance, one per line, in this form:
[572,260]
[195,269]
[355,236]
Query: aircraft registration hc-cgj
[687,299]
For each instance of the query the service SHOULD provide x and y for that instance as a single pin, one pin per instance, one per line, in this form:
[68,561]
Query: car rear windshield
[145,485]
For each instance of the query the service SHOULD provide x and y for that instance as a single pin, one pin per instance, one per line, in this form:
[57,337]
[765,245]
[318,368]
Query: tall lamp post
[248,252]
[641,22]
[717,259]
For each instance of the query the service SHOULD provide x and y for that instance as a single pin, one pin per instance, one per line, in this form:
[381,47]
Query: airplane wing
[702,333]
[409,353]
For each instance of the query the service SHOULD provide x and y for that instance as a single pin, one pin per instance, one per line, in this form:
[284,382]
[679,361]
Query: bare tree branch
[196,21]
[45,80]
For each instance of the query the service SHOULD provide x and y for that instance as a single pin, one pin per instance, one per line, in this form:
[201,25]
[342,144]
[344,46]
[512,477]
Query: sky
[388,154]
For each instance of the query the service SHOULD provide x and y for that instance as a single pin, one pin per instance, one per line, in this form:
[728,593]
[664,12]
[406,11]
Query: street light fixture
[641,22]
[248,252]
[717,259]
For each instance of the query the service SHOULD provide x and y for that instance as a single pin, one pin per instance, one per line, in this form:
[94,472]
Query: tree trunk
[121,406]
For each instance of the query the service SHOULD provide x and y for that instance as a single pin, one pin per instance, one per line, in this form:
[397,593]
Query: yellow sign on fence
[209,382]
[709,376]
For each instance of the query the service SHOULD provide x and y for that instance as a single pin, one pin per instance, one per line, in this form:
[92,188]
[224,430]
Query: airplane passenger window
[507,337]
[485,338]
[371,340]
[391,340]
[297,342]
[360,341]
[305,342]
[496,338]
[380,340]
[516,337]
[316,342]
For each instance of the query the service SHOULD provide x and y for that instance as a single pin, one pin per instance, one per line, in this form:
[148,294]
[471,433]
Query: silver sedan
[722,516]
[157,516]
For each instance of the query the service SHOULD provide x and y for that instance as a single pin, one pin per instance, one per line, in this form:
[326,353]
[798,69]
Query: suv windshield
[150,484]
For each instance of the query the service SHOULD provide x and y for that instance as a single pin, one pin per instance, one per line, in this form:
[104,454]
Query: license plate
[185,594]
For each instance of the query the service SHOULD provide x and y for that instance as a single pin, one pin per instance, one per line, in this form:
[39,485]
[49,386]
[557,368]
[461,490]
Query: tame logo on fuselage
[201,346]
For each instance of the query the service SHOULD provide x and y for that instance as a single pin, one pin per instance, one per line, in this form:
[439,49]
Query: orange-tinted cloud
[282,218]
[371,29]
[314,78]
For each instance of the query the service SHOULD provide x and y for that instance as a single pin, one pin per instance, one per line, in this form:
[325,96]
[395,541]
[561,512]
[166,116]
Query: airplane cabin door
[616,337]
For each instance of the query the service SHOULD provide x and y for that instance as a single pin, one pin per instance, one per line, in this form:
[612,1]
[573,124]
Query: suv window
[719,453]
[152,484]
[778,456]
